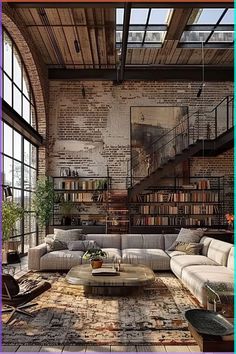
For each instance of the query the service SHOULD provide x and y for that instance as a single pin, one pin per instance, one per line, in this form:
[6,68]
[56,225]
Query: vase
[96,263]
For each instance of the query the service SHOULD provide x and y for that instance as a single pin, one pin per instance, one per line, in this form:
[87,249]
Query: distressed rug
[65,316]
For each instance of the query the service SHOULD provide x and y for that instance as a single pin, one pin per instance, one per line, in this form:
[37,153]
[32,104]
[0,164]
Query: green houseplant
[11,213]
[95,256]
[43,201]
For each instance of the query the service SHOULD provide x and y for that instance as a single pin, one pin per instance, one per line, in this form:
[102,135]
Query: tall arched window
[19,153]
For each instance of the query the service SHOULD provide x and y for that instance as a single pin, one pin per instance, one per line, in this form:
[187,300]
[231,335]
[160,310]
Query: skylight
[147,27]
[212,27]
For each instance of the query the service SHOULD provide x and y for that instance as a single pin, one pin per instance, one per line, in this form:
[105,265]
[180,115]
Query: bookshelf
[80,202]
[165,208]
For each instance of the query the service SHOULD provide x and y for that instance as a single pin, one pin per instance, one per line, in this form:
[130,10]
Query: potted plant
[95,256]
[66,208]
[43,200]
[11,213]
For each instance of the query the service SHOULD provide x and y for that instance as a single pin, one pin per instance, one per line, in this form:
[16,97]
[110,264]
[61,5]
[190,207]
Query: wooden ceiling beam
[170,4]
[159,73]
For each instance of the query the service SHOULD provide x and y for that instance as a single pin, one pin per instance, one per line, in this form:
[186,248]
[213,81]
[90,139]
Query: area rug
[65,316]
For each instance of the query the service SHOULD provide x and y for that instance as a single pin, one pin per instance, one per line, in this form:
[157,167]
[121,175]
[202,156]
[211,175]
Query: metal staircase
[199,134]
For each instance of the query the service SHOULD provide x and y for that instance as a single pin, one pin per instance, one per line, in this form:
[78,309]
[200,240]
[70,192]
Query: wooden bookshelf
[196,204]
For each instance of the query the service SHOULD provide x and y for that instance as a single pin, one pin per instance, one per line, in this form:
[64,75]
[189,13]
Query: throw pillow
[56,245]
[91,245]
[76,246]
[189,248]
[187,236]
[68,235]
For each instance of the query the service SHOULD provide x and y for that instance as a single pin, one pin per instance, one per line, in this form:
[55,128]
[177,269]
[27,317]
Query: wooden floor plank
[96,349]
[9,348]
[194,348]
[177,348]
[51,349]
[74,348]
[150,348]
[123,348]
[29,348]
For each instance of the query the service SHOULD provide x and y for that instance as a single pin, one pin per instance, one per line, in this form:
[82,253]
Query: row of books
[171,221]
[194,197]
[83,197]
[187,209]
[77,185]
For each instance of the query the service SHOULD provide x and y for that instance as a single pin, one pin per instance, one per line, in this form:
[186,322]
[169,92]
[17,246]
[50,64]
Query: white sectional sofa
[214,265]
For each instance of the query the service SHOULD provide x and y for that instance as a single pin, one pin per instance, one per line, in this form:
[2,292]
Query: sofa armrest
[34,255]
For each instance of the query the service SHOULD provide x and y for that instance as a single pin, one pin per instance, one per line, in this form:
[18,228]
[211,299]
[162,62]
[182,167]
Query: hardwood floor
[22,269]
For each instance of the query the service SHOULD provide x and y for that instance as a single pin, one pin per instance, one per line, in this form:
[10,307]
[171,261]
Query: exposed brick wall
[93,132]
[37,72]
[221,165]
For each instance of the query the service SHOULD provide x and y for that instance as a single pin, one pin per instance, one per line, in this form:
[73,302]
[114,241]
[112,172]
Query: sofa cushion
[60,260]
[177,264]
[142,241]
[230,261]
[187,236]
[195,278]
[156,259]
[218,251]
[205,241]
[105,240]
[68,235]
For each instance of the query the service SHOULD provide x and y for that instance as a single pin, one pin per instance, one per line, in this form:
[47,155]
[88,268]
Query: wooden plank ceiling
[54,30]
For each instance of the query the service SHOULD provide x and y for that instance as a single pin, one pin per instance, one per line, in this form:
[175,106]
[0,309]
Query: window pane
[17,196]
[26,177]
[33,176]
[29,241]
[17,100]
[7,171]
[7,90]
[26,89]
[119,35]
[27,201]
[208,16]
[7,54]
[159,16]
[138,16]
[194,36]
[33,156]
[155,36]
[228,18]
[17,146]
[26,152]
[135,36]
[119,16]
[7,147]
[17,70]
[17,228]
[26,110]
[219,36]
[17,174]
[33,118]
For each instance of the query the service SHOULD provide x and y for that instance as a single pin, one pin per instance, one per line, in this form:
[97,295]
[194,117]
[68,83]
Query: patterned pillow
[189,248]
[187,236]
[56,245]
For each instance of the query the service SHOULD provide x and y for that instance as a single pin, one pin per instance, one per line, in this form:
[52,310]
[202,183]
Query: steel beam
[127,13]
[159,73]
[170,4]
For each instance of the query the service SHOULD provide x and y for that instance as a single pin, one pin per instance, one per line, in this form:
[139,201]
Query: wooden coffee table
[131,277]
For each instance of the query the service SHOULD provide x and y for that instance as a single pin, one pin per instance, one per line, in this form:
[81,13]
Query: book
[104,271]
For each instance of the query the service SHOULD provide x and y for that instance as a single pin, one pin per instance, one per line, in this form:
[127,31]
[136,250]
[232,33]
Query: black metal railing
[199,125]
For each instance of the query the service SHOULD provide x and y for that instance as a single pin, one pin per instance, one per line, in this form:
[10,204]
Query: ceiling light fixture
[203,74]
[77,46]
[83,92]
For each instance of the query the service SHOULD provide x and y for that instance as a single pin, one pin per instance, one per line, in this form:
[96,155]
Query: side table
[212,343]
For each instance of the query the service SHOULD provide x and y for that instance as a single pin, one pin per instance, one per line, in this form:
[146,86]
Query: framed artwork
[65,171]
